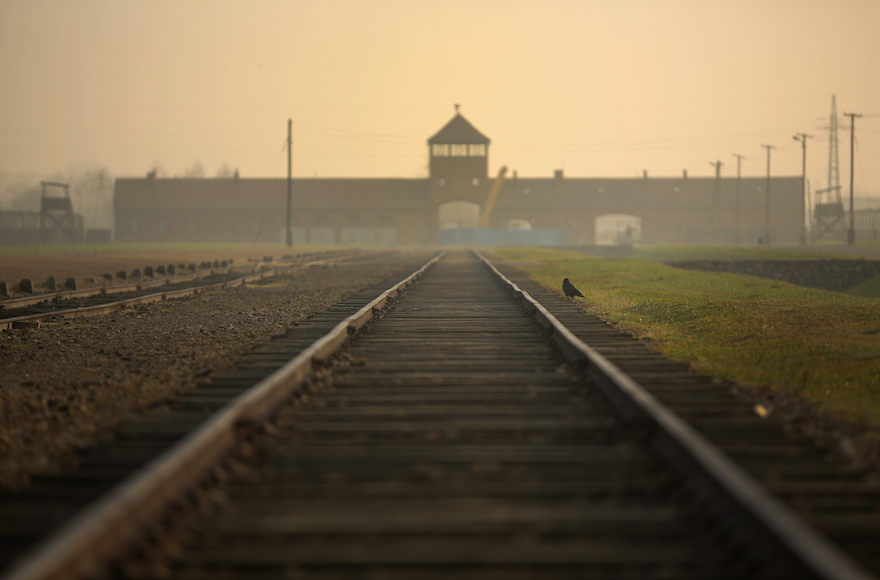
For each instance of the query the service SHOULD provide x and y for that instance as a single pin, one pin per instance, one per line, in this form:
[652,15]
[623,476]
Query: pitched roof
[459,130]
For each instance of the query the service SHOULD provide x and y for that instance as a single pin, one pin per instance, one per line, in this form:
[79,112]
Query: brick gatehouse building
[447,206]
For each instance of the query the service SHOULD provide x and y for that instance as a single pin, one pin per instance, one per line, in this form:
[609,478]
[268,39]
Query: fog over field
[600,89]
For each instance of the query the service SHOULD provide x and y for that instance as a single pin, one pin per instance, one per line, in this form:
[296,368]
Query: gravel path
[68,384]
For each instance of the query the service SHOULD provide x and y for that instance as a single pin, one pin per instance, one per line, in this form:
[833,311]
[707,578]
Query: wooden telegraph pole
[739,159]
[802,137]
[851,234]
[288,237]
[767,204]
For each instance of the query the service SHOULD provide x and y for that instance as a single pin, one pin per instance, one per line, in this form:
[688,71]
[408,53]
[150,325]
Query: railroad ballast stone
[110,368]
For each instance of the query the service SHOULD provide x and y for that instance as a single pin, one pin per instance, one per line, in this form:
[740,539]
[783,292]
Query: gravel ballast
[68,384]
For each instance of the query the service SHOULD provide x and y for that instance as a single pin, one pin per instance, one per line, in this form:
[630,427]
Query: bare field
[68,262]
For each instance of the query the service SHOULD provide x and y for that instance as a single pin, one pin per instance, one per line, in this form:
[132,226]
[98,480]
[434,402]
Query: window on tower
[458,150]
[440,150]
[478,150]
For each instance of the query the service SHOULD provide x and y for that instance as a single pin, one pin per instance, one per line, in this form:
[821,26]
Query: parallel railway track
[17,312]
[453,439]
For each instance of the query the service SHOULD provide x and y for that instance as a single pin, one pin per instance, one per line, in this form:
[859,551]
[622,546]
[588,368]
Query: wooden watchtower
[58,223]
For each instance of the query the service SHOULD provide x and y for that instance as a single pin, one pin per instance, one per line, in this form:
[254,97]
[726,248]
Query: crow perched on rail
[569,290]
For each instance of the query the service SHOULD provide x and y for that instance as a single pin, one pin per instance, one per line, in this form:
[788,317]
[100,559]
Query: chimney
[684,173]
[645,173]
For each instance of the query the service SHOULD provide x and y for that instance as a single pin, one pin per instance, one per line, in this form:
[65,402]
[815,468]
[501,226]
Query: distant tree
[225,171]
[197,170]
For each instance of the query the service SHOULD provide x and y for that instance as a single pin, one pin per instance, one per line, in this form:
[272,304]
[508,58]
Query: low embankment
[830,274]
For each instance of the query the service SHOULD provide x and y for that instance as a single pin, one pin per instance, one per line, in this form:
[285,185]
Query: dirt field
[81,265]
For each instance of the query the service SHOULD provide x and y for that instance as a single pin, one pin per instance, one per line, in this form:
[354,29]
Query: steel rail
[111,524]
[98,309]
[11,303]
[804,545]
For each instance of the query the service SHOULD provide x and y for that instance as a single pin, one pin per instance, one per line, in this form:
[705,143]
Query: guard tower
[58,223]
[459,166]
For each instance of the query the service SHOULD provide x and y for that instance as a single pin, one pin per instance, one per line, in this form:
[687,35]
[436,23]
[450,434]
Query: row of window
[441,181]
[462,150]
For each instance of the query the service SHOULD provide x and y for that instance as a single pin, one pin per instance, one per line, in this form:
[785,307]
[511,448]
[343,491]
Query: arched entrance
[457,222]
[618,229]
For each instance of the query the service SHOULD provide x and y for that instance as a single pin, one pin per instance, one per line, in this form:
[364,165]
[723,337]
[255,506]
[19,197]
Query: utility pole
[802,137]
[288,238]
[739,159]
[851,234]
[767,205]
[716,195]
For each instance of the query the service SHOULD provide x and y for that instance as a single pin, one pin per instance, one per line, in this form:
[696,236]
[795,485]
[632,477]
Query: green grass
[663,253]
[822,346]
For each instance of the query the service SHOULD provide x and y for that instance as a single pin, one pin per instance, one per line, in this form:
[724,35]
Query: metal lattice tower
[829,215]
[833,158]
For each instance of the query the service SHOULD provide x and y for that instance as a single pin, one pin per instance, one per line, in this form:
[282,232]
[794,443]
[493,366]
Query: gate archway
[457,222]
[616,229]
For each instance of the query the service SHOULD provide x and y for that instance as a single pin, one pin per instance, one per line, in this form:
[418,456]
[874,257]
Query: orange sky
[598,88]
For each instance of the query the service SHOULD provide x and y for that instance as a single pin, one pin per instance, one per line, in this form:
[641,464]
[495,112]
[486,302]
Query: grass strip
[819,345]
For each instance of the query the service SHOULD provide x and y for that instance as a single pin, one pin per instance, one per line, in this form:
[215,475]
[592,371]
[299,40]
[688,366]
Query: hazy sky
[598,88]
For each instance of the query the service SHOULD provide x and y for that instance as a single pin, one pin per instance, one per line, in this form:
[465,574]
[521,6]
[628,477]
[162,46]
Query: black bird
[569,290]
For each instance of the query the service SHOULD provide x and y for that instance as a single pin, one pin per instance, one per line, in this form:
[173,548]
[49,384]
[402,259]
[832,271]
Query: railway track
[452,439]
[29,311]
